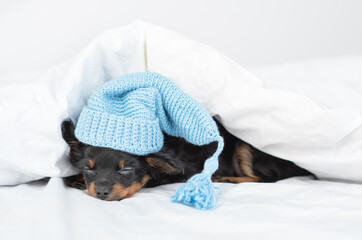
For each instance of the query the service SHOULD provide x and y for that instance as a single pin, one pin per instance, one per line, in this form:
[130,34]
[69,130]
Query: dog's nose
[102,192]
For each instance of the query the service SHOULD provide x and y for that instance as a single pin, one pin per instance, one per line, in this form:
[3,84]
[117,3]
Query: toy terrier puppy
[110,174]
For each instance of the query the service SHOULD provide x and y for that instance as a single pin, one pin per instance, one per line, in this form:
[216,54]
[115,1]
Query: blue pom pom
[198,191]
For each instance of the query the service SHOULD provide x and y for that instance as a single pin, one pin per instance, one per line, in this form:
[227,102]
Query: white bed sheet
[297,208]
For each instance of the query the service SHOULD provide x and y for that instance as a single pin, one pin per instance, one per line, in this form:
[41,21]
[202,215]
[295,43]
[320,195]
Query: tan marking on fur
[121,164]
[236,179]
[120,192]
[91,163]
[244,159]
[162,166]
[92,190]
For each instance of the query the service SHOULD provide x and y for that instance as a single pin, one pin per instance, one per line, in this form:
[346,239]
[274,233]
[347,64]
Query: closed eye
[126,170]
[90,171]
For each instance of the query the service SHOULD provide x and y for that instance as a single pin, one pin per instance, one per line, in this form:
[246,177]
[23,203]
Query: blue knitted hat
[130,113]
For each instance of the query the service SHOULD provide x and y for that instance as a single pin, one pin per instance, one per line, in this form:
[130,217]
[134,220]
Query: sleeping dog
[110,174]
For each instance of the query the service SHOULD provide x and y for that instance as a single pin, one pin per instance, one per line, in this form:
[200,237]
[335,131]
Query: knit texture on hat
[130,113]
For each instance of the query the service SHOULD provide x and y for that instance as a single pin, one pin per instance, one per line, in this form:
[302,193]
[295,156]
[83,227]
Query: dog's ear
[162,166]
[68,131]
[76,152]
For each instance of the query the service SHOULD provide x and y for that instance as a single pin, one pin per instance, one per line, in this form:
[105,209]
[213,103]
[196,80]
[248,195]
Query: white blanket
[326,140]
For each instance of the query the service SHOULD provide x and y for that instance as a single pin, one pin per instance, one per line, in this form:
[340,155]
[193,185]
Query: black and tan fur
[110,174]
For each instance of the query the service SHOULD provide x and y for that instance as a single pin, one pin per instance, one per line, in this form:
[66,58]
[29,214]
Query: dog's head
[109,174]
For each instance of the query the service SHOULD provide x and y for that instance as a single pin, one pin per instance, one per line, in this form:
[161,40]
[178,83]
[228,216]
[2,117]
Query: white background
[253,32]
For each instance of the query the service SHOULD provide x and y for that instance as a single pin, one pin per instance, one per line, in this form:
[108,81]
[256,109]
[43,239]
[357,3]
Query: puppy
[110,174]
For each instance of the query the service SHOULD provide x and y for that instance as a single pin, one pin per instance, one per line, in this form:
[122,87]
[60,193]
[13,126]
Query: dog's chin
[116,198]
[106,199]
[111,199]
